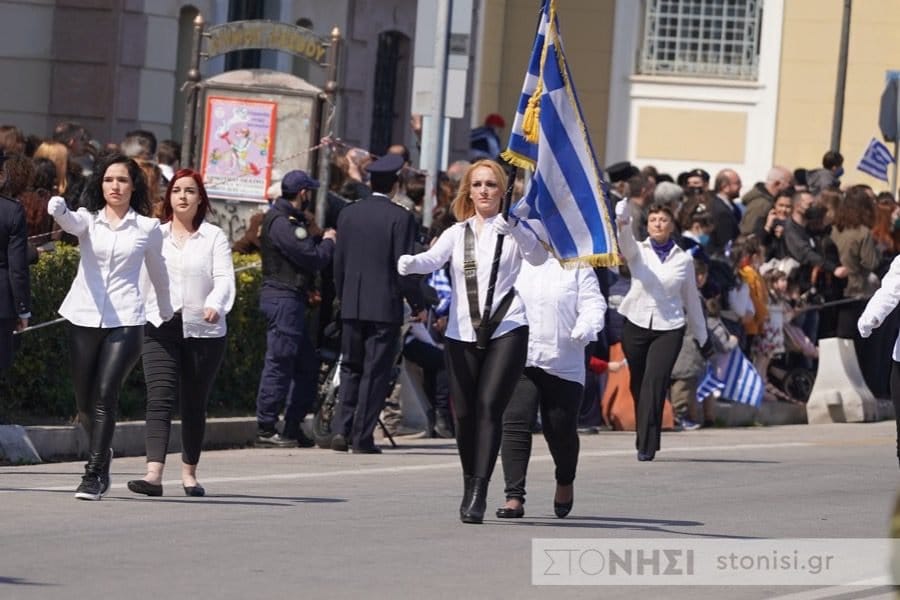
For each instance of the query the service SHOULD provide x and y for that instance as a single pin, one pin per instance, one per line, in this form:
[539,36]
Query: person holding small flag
[663,299]
[483,372]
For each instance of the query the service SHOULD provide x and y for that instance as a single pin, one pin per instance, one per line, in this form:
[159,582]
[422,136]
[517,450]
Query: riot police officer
[293,250]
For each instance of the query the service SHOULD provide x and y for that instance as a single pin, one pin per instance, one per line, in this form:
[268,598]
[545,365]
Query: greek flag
[875,160]
[567,192]
[734,378]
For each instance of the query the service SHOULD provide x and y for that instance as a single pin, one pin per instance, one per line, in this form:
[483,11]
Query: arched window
[390,100]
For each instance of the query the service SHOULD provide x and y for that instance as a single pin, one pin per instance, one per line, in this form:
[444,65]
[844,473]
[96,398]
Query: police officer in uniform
[375,232]
[293,250]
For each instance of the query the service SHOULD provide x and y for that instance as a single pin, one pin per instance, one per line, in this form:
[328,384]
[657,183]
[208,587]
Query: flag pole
[482,336]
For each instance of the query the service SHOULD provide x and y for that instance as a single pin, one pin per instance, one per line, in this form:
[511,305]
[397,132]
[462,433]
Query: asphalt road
[311,523]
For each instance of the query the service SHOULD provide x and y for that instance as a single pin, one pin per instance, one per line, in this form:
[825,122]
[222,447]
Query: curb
[70,441]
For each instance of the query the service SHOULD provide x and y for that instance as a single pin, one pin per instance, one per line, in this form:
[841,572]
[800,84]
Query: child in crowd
[770,342]
[690,366]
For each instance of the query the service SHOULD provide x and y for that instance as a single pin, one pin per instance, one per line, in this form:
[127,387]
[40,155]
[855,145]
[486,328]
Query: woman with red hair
[182,356]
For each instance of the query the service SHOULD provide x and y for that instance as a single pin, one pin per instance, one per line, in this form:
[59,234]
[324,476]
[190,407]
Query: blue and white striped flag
[875,160]
[735,379]
[567,192]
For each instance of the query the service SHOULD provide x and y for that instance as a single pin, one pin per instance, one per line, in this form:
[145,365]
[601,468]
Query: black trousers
[178,371]
[895,398]
[368,352]
[481,384]
[559,401]
[101,360]
[651,356]
[434,371]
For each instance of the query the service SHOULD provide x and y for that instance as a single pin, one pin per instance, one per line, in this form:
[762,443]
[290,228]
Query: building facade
[681,84]
[117,65]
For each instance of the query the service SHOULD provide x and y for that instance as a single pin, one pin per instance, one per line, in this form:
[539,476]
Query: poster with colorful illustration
[238,146]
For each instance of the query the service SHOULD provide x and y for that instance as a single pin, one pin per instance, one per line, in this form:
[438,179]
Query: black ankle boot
[467,494]
[474,512]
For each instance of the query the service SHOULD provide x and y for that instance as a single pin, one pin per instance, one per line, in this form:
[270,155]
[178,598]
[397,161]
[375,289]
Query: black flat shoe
[504,512]
[194,490]
[139,486]
[643,457]
[562,509]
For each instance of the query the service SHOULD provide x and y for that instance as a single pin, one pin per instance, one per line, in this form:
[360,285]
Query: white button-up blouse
[106,290]
[201,275]
[663,295]
[558,301]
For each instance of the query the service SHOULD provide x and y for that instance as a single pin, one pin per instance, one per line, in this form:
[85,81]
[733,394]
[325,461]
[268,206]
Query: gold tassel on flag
[531,118]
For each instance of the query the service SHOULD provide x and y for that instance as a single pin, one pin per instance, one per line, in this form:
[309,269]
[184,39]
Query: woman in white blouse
[481,380]
[877,311]
[105,305]
[662,299]
[565,312]
[182,356]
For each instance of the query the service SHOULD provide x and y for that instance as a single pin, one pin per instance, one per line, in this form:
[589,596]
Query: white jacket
[881,304]
[450,246]
[663,296]
[565,311]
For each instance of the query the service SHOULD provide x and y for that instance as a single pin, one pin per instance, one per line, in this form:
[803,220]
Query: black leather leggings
[481,384]
[101,360]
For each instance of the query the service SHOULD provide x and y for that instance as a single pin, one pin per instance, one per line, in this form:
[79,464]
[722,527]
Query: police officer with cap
[375,232]
[293,249]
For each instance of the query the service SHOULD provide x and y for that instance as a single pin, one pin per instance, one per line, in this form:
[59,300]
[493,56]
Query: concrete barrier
[840,394]
[16,446]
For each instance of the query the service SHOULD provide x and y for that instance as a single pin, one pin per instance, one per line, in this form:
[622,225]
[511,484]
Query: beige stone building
[706,83]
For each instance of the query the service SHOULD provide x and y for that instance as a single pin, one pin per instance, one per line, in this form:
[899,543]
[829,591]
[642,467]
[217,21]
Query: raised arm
[883,302]
[75,223]
[433,258]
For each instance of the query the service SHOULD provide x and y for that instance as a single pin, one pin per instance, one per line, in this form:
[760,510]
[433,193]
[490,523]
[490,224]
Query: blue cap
[389,164]
[295,181]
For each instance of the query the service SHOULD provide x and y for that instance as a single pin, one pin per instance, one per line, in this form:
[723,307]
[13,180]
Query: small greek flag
[875,160]
[733,378]
[567,192]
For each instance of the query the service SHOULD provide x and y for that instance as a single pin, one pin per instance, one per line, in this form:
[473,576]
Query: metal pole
[326,124]
[193,78]
[838,121]
[435,149]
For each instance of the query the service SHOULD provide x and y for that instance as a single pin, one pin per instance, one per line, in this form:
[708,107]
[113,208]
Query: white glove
[56,206]
[582,334]
[404,263]
[623,213]
[502,226]
[865,329]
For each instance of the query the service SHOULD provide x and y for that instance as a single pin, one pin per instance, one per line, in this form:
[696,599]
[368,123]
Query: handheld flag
[735,379]
[875,160]
[567,192]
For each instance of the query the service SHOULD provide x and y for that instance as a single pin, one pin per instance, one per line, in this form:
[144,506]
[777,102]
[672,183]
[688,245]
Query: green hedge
[38,388]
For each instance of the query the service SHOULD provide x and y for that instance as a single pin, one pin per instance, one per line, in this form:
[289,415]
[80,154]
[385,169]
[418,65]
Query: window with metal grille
[701,38]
